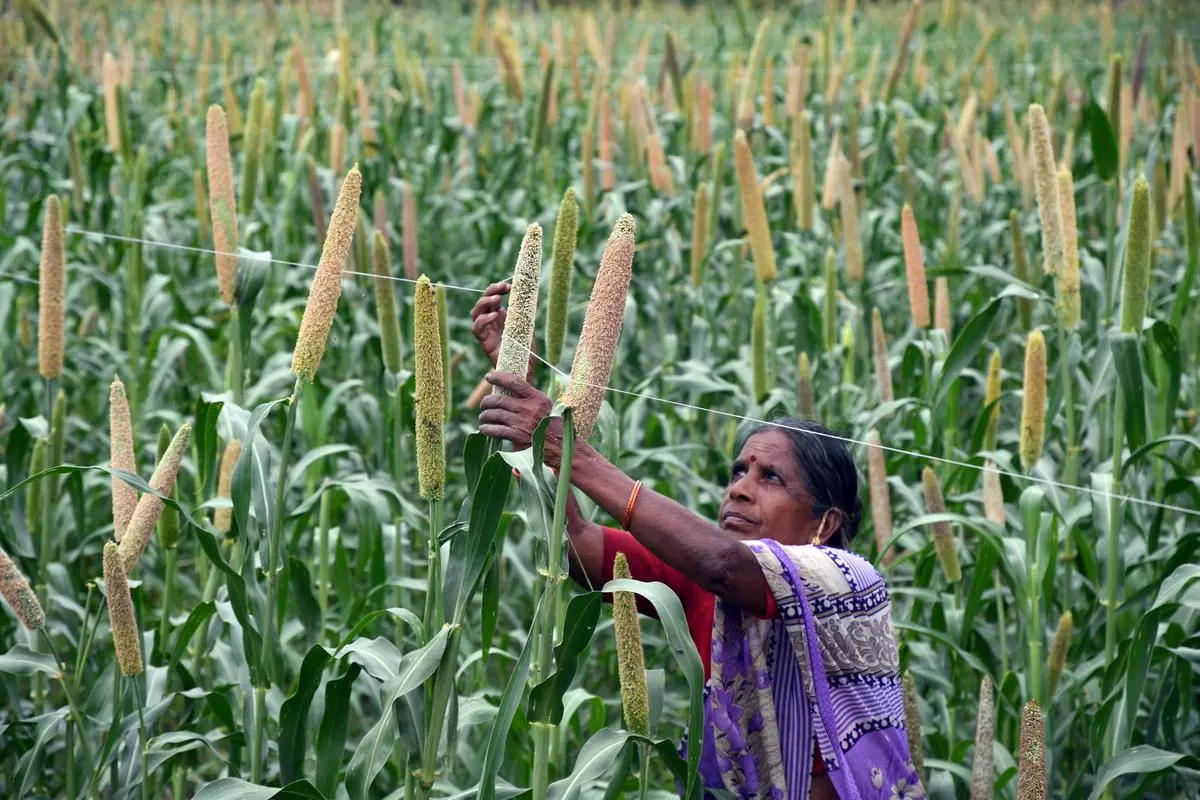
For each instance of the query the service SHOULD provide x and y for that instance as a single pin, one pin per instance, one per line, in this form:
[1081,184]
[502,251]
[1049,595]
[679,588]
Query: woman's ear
[834,519]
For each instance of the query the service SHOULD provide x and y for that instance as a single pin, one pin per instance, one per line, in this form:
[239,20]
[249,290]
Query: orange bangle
[633,495]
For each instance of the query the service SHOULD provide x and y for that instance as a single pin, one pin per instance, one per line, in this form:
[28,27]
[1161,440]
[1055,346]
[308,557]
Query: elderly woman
[771,576]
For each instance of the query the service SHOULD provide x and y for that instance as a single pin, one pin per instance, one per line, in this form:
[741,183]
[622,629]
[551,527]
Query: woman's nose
[740,489]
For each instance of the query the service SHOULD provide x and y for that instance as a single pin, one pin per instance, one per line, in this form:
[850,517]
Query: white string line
[1017,476]
[253,257]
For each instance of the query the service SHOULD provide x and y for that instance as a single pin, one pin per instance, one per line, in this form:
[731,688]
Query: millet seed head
[914,267]
[223,517]
[753,209]
[327,283]
[1138,241]
[635,696]
[881,499]
[1033,404]
[221,202]
[121,456]
[1068,278]
[1058,649]
[385,303]
[943,537]
[983,773]
[149,506]
[912,723]
[127,640]
[883,373]
[429,395]
[1031,757]
[593,362]
[522,306]
[19,595]
[52,292]
[1045,182]
[561,263]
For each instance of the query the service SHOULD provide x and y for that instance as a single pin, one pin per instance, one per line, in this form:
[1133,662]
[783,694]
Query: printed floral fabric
[768,696]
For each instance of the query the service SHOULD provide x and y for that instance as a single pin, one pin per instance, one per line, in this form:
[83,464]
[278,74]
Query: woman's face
[766,497]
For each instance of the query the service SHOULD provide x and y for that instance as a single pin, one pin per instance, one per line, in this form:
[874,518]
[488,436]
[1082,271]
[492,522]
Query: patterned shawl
[769,696]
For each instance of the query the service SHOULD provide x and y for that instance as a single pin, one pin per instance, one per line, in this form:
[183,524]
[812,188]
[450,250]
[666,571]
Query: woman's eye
[772,476]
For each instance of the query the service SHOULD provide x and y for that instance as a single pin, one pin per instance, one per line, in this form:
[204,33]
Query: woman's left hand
[515,416]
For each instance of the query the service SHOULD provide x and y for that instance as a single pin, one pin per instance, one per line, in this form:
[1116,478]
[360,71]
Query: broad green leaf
[20,660]
[546,699]
[238,789]
[293,714]
[1127,358]
[1138,760]
[196,619]
[29,767]
[469,552]
[376,746]
[595,759]
[967,345]
[1104,143]
[331,736]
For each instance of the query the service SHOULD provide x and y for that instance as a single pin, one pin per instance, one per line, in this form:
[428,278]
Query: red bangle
[633,495]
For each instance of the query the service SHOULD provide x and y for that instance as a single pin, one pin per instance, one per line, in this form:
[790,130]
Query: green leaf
[20,660]
[597,756]
[1138,760]
[1104,143]
[966,346]
[293,714]
[376,746]
[1176,584]
[470,552]
[300,586]
[1170,356]
[1133,681]
[546,699]
[1127,359]
[47,728]
[198,616]
[237,789]
[331,737]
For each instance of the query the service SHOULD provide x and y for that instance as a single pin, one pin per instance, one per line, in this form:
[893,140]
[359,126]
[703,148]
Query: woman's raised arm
[695,546]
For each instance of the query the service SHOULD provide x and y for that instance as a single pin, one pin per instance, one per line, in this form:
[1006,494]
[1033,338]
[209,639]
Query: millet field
[253,545]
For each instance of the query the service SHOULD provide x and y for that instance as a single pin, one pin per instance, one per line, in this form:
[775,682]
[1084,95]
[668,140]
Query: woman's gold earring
[816,539]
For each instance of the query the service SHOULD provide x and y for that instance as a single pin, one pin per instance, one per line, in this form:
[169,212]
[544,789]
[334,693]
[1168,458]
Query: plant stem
[142,740]
[323,556]
[644,774]
[259,740]
[171,570]
[1071,465]
[434,615]
[274,546]
[1032,518]
[1110,235]
[1112,567]
[545,643]
[237,370]
[1001,622]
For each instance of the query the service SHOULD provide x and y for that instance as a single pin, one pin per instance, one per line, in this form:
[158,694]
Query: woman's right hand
[487,319]
[514,414]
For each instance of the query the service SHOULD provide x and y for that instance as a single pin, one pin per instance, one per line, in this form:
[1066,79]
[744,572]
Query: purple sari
[769,695]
